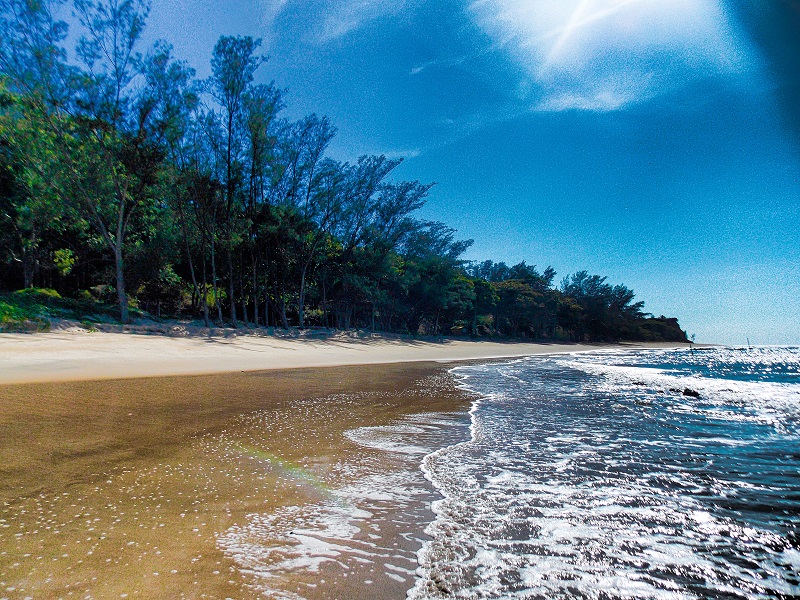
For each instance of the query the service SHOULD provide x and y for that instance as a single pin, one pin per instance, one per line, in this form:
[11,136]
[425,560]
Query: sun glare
[588,50]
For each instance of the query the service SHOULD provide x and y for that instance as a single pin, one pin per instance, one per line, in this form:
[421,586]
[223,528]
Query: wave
[604,476]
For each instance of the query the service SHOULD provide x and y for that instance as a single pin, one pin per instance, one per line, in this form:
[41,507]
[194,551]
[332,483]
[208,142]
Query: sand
[79,355]
[159,487]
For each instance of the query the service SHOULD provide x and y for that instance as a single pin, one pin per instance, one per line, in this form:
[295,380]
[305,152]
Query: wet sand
[218,486]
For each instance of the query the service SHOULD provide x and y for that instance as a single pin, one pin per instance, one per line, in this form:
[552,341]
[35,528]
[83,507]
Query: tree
[112,156]
[437,290]
[171,98]
[608,312]
[316,191]
[105,133]
[113,163]
[233,66]
[485,300]
[30,205]
[32,76]
[32,56]
[262,104]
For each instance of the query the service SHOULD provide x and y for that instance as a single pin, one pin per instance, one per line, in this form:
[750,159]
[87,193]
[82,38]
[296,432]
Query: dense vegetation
[125,180]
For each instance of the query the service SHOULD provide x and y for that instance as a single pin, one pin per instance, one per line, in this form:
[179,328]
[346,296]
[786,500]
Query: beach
[76,354]
[126,473]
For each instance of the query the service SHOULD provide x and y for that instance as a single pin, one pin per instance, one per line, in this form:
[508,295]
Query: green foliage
[31,309]
[17,319]
[662,329]
[64,260]
[22,310]
[36,294]
[10,312]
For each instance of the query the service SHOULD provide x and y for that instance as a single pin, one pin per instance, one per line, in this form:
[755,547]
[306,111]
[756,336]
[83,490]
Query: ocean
[621,474]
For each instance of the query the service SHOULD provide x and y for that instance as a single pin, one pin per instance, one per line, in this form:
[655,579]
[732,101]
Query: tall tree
[171,98]
[103,128]
[34,80]
[116,163]
[30,202]
[233,64]
[262,103]
[608,311]
[318,198]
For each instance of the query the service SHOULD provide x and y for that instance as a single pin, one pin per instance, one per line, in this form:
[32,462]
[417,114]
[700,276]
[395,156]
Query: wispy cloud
[410,153]
[270,9]
[441,62]
[603,55]
[344,16]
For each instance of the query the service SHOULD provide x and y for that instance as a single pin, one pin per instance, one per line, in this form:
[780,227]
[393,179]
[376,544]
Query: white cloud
[607,54]
[444,62]
[270,9]
[345,16]
[600,94]
[409,153]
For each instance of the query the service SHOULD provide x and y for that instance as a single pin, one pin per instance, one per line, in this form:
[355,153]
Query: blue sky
[653,141]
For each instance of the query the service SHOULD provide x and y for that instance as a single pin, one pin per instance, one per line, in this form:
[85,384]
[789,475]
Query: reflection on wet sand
[224,486]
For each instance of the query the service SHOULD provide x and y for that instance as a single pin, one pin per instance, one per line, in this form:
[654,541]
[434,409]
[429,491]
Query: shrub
[41,294]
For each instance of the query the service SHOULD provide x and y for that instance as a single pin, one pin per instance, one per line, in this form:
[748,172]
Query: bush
[38,294]
[16,318]
[9,312]
[31,309]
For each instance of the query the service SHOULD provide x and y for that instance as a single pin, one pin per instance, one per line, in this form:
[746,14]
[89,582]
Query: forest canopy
[127,180]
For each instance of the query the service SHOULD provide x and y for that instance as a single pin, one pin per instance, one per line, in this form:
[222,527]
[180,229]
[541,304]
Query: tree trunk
[206,320]
[122,298]
[214,284]
[326,322]
[231,291]
[301,299]
[255,293]
[266,297]
[195,287]
[242,294]
[30,260]
[282,311]
[28,268]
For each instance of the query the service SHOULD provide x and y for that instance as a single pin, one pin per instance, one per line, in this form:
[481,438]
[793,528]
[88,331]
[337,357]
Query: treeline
[122,174]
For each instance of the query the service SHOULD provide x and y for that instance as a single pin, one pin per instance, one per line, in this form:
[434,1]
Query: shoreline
[229,483]
[219,484]
[78,355]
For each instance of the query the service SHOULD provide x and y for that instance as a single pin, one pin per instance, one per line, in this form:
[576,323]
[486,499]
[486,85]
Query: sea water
[642,474]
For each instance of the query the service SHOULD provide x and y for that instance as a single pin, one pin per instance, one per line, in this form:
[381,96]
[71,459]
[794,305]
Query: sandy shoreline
[79,355]
[217,486]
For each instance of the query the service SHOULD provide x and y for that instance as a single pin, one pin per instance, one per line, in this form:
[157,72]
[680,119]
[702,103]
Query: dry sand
[79,355]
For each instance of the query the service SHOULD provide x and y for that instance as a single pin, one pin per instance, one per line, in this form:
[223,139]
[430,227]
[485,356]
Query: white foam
[771,403]
[386,438]
[344,530]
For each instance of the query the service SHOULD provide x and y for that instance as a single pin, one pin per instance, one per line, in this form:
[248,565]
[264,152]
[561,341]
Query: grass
[30,310]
